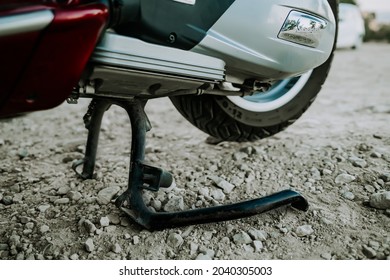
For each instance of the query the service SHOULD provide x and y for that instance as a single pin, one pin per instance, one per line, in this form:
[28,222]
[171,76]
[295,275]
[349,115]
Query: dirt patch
[337,155]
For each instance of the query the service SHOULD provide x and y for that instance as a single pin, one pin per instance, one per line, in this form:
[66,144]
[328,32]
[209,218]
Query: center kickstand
[144,177]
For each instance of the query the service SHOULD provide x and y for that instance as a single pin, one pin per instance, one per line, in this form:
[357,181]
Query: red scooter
[239,70]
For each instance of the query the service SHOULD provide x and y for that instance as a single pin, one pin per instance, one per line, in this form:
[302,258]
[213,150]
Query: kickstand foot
[144,177]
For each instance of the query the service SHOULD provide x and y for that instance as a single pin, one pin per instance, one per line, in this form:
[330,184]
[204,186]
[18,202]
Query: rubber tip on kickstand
[166,179]
[301,204]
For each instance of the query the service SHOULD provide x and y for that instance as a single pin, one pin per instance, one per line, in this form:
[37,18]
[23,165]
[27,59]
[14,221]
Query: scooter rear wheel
[259,116]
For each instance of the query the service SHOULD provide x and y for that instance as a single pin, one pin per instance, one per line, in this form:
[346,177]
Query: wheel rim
[277,96]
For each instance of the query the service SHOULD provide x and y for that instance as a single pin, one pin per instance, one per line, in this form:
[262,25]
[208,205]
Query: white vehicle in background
[351,26]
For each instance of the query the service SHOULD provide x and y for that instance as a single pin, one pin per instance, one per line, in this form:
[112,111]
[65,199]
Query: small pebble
[15,188]
[89,246]
[193,247]
[116,248]
[217,194]
[223,184]
[203,256]
[239,156]
[125,221]
[30,225]
[7,200]
[385,177]
[344,179]
[127,236]
[30,257]
[369,252]
[74,195]
[43,208]
[104,221]
[74,257]
[175,240]
[114,219]
[44,229]
[242,238]
[376,155]
[136,240]
[258,234]
[315,173]
[156,204]
[20,256]
[358,162]
[89,226]
[63,200]
[207,251]
[110,229]
[24,219]
[257,245]
[380,200]
[175,203]
[105,196]
[22,153]
[248,150]
[63,190]
[326,256]
[369,188]
[348,195]
[374,244]
[304,230]
[204,191]
[327,171]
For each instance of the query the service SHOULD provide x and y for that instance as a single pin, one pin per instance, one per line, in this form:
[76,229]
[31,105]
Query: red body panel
[39,70]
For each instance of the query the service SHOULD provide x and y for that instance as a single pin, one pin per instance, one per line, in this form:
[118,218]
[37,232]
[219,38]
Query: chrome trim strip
[129,53]
[26,22]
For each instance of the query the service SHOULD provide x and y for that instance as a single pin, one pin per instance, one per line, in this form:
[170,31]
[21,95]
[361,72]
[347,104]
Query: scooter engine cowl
[271,39]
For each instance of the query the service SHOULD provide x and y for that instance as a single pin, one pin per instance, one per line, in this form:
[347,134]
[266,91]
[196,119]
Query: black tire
[219,117]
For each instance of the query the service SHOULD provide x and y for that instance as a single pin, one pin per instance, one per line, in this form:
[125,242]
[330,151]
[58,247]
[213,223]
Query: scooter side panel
[56,58]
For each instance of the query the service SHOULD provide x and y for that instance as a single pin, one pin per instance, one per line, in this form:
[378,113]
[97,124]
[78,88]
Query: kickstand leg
[144,177]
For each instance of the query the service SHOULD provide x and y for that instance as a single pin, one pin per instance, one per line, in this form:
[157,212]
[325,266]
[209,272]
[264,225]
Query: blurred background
[375,19]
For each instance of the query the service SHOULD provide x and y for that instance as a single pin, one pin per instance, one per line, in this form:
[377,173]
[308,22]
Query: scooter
[239,70]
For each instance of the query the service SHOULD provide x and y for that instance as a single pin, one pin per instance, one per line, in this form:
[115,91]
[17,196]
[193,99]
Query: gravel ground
[337,155]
